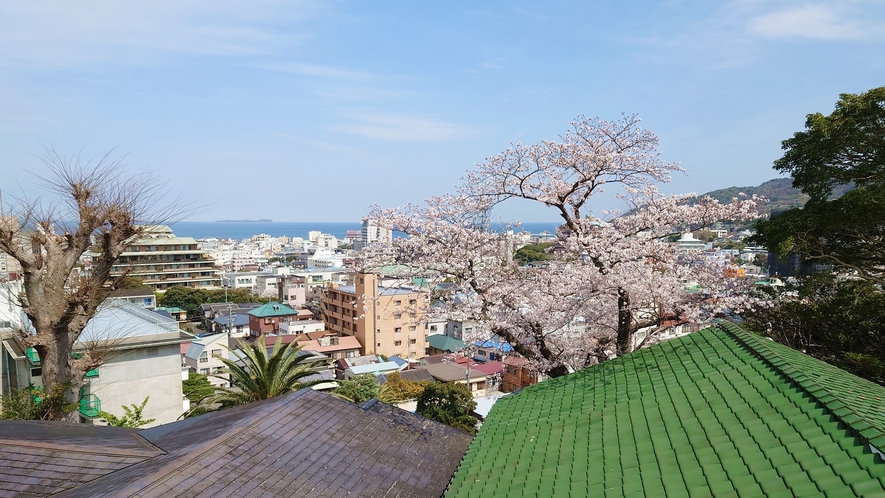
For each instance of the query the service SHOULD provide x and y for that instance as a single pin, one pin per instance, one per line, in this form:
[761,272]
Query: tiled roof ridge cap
[865,428]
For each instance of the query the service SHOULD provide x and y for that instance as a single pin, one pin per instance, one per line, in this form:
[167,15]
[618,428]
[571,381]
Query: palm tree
[255,375]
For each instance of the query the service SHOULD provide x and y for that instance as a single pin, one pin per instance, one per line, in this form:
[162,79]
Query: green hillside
[779,193]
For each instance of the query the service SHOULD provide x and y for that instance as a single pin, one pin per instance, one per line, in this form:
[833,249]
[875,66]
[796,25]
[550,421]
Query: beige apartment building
[163,260]
[386,321]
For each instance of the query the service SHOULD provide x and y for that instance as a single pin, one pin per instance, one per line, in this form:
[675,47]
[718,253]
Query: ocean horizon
[239,230]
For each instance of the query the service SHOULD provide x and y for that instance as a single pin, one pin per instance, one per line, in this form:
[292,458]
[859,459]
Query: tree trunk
[625,323]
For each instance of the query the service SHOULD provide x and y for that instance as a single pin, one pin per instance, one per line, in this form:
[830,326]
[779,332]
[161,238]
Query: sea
[238,230]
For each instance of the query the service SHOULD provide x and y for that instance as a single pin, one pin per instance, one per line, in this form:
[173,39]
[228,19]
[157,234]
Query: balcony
[90,406]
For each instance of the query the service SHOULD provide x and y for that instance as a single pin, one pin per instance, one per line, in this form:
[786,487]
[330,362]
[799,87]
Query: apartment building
[386,320]
[163,260]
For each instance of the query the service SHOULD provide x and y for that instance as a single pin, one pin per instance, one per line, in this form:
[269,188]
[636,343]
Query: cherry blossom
[608,278]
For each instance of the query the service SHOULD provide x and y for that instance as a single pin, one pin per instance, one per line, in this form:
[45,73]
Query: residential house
[719,412]
[163,260]
[238,327]
[384,367]
[266,319]
[460,329]
[303,326]
[205,354]
[343,364]
[305,444]
[333,346]
[385,320]
[462,374]
[518,374]
[493,349]
[210,311]
[443,344]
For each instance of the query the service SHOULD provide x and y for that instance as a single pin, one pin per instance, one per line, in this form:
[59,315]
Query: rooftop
[273,309]
[719,412]
[301,444]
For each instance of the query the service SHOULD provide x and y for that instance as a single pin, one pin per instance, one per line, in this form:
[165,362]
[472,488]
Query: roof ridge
[872,431]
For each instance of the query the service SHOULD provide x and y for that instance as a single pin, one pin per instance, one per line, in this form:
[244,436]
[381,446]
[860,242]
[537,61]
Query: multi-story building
[163,260]
[372,233]
[386,320]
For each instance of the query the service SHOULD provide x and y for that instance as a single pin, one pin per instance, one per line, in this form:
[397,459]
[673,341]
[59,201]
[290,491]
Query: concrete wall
[133,375]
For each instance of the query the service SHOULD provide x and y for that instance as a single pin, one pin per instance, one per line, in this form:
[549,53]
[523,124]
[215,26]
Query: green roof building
[442,344]
[720,412]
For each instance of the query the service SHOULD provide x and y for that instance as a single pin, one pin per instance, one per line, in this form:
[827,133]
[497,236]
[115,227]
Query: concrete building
[163,260]
[372,233]
[386,320]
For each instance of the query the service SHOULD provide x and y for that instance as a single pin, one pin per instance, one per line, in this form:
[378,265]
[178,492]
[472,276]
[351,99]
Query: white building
[204,356]
[372,233]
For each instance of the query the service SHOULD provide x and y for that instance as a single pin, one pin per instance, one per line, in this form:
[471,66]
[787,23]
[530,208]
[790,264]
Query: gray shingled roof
[302,444]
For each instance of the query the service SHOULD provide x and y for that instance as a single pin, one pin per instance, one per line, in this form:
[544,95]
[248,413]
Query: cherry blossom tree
[609,277]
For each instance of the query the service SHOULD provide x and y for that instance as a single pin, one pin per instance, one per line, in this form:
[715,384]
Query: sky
[316,110]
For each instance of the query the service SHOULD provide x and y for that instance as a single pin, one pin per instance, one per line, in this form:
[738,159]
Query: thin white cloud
[737,32]
[819,22]
[400,128]
[65,33]
[317,71]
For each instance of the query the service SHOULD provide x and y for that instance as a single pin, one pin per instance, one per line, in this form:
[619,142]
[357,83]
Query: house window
[351,354]
[413,301]
[397,343]
[267,321]
[397,316]
[398,329]
[468,330]
[204,371]
[397,302]
[433,328]
[204,357]
[216,352]
[412,341]
[412,328]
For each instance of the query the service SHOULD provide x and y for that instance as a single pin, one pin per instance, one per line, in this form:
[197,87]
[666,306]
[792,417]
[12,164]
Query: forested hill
[779,193]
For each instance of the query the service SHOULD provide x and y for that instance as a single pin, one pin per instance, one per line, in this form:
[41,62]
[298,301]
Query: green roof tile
[719,412]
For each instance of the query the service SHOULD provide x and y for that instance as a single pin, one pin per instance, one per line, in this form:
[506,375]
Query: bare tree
[98,205]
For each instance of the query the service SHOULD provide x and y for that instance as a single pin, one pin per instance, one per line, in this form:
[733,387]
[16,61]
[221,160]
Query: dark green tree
[358,389]
[186,298]
[34,403]
[843,149]
[197,387]
[835,320]
[257,375]
[449,403]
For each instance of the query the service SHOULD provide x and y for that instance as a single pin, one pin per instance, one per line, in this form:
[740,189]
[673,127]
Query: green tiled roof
[272,309]
[445,343]
[719,412]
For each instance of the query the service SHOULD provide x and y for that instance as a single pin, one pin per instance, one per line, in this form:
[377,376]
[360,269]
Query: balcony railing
[90,406]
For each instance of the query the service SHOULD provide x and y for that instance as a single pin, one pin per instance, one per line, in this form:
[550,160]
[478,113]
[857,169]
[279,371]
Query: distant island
[262,220]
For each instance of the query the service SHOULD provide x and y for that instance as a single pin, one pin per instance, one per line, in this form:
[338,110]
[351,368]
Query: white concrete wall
[137,374]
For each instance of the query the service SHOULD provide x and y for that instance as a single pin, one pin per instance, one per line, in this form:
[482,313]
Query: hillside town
[663,351]
[311,295]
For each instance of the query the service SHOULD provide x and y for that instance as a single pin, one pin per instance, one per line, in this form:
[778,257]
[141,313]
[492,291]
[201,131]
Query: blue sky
[313,111]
